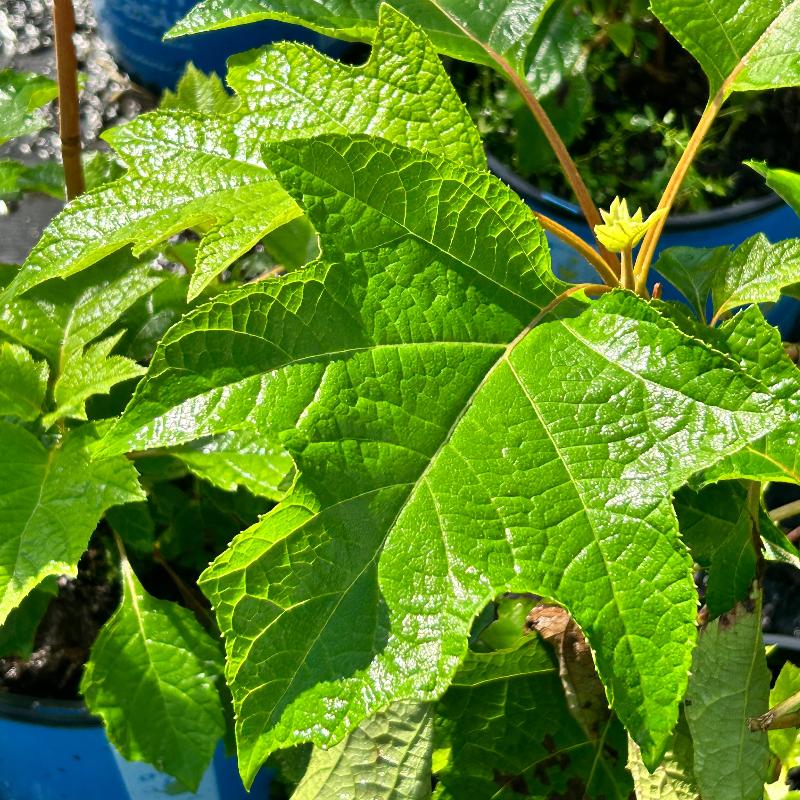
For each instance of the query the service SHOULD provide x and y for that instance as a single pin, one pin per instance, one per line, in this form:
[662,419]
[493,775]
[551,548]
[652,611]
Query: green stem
[627,280]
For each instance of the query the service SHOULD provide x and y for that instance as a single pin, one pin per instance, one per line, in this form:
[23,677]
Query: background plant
[455,429]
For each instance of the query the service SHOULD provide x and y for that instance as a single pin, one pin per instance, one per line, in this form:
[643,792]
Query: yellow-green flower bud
[622,231]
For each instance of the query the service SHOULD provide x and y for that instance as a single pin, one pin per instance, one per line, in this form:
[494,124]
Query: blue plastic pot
[133,30]
[727,226]
[53,750]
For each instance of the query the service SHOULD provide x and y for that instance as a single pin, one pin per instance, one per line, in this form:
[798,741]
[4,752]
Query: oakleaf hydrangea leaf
[742,46]
[22,94]
[755,273]
[23,383]
[716,525]
[776,457]
[199,92]
[388,757]
[405,378]
[528,744]
[58,318]
[691,270]
[239,458]
[673,779]
[92,371]
[152,678]
[729,684]
[51,502]
[206,171]
[783,181]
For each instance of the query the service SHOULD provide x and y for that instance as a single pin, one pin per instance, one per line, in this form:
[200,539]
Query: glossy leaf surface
[51,502]
[745,46]
[783,181]
[388,757]
[729,684]
[206,172]
[401,380]
[23,383]
[152,678]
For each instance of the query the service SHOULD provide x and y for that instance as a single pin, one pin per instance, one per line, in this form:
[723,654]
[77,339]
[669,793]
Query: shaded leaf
[404,380]
[729,684]
[503,730]
[691,271]
[151,678]
[388,757]
[785,743]
[23,383]
[51,502]
[59,318]
[190,170]
[22,94]
[18,632]
[239,458]
[715,524]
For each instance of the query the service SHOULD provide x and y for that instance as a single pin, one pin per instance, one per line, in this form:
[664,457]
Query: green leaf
[783,181]
[388,757]
[691,271]
[92,371]
[348,19]
[729,684]
[23,383]
[673,779]
[503,730]
[21,95]
[134,525]
[190,170]
[741,47]
[715,524]
[753,342]
[199,92]
[755,273]
[52,500]
[151,677]
[59,318]
[404,379]
[239,458]
[785,743]
[18,632]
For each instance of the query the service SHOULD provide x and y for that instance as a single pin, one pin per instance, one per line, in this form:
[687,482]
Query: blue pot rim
[47,712]
[737,212]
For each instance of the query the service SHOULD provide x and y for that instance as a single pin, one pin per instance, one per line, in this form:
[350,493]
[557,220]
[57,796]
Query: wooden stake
[68,108]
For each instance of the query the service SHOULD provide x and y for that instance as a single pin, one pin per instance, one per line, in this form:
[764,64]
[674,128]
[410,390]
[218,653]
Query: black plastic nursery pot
[56,750]
[728,226]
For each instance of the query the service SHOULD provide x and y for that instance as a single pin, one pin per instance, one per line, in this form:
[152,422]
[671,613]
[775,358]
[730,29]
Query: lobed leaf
[199,92]
[190,170]
[405,379]
[729,684]
[691,270]
[23,383]
[741,46]
[52,500]
[151,677]
[388,757]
